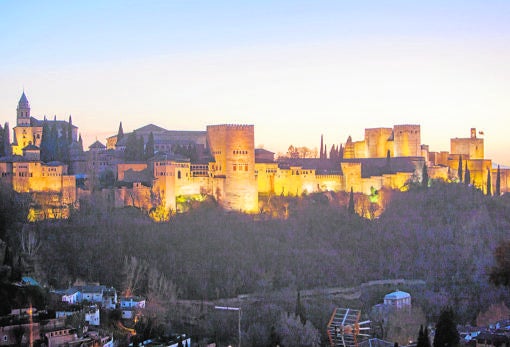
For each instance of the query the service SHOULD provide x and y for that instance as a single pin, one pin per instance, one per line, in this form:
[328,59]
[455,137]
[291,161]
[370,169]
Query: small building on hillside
[130,304]
[398,299]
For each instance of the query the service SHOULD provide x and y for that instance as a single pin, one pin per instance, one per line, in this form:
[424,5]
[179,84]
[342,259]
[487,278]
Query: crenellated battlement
[231,126]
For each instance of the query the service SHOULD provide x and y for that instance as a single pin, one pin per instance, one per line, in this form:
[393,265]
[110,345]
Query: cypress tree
[426,337]
[300,312]
[140,152]
[131,147]
[467,176]
[459,170]
[498,183]
[351,202]
[423,337]
[46,142]
[274,338]
[120,133]
[63,148]
[446,330]
[332,153]
[70,131]
[321,155]
[53,143]
[6,150]
[489,184]
[425,176]
[388,160]
[149,148]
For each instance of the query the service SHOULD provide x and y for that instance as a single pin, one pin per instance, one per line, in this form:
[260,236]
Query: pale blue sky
[295,69]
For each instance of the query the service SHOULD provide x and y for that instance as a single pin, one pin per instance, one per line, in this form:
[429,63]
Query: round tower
[23,112]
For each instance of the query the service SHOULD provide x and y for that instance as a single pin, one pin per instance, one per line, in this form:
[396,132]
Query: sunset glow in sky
[294,69]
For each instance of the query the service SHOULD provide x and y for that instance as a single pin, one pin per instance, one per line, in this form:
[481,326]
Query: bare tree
[30,242]
[134,270]
[160,287]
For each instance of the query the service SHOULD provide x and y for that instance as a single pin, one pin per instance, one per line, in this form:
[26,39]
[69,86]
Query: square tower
[233,149]
[407,140]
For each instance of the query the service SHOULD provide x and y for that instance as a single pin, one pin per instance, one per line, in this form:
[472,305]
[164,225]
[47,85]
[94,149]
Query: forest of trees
[445,235]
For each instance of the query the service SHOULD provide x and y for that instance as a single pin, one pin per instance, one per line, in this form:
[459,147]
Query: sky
[295,69]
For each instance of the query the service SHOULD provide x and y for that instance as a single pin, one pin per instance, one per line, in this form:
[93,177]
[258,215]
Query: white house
[93,293]
[72,296]
[398,299]
[130,304]
[92,315]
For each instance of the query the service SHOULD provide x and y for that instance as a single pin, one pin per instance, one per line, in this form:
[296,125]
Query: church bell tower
[23,112]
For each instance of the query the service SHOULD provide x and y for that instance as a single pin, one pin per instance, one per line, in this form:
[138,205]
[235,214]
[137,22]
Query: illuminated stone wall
[26,135]
[37,177]
[352,176]
[504,176]
[111,142]
[439,158]
[330,183]
[397,180]
[68,189]
[439,172]
[407,140]
[6,172]
[138,196]
[166,172]
[295,181]
[174,178]
[477,168]
[232,147]
[471,147]
[377,142]
[360,149]
[266,175]
[123,167]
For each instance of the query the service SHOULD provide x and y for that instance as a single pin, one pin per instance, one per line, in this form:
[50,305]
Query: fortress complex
[223,162]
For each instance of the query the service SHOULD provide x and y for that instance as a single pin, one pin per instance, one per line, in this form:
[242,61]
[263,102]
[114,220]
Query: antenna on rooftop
[344,328]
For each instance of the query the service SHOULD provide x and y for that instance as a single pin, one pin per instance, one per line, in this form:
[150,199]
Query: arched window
[179,174]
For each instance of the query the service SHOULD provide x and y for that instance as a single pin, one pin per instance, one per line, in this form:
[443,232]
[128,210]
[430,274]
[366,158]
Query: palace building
[222,162]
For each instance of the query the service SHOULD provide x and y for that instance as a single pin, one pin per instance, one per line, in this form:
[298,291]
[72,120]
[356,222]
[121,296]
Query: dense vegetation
[445,234]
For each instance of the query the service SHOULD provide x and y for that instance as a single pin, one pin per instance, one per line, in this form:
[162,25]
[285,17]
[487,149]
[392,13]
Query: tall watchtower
[407,140]
[23,112]
[233,149]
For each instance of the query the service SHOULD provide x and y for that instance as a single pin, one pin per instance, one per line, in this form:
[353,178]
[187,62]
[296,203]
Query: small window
[179,174]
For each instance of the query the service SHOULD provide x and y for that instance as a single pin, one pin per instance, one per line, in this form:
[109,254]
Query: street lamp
[238,309]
